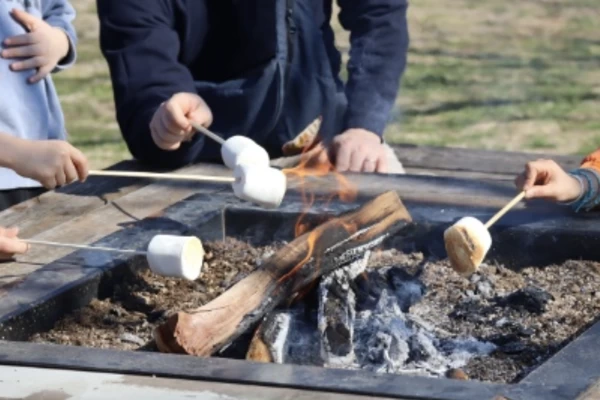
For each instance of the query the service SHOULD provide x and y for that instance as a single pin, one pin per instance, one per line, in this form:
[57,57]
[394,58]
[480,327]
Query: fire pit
[386,307]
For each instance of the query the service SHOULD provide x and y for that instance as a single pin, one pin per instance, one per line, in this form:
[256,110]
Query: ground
[511,74]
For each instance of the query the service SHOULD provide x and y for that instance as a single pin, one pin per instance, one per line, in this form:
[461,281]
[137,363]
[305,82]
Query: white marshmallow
[264,186]
[467,242]
[176,256]
[242,150]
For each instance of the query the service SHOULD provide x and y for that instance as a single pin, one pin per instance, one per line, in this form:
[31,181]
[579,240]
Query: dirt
[528,315]
[144,300]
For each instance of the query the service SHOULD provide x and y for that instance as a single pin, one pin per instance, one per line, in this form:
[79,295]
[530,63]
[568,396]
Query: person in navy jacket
[260,68]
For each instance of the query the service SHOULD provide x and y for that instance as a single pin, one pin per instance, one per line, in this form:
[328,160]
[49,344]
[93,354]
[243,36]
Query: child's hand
[10,244]
[170,124]
[546,179]
[42,48]
[51,162]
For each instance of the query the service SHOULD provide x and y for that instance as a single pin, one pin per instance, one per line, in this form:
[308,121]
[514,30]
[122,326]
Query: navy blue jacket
[266,68]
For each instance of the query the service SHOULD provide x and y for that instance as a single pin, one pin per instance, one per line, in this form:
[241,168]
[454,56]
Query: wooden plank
[42,383]
[55,207]
[84,228]
[592,393]
[474,160]
[482,176]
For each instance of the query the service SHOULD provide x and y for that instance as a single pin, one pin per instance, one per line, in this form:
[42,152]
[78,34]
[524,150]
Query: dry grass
[498,74]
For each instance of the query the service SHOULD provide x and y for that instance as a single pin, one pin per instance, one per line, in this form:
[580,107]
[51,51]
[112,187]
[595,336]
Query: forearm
[60,15]
[10,150]
[379,43]
[588,175]
[142,50]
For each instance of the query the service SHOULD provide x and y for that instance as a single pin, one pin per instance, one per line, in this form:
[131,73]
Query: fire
[314,166]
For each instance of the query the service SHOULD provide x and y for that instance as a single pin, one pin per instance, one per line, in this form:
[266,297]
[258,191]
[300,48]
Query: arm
[60,14]
[379,43]
[142,48]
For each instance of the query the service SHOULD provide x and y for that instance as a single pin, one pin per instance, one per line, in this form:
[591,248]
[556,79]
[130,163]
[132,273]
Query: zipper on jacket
[291,33]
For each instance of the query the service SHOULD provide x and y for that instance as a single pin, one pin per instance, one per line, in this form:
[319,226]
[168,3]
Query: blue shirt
[31,111]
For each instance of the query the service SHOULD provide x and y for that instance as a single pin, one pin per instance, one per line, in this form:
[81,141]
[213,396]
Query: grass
[494,74]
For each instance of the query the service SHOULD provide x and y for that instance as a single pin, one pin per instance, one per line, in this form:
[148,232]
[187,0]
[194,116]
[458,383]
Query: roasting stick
[167,255]
[468,241]
[237,149]
[208,133]
[83,247]
[264,186]
[504,210]
[152,175]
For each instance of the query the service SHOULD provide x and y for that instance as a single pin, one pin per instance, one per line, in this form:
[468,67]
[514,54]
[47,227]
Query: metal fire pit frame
[70,283]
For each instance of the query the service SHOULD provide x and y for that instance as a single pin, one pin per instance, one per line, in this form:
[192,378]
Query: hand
[170,124]
[547,180]
[41,48]
[51,162]
[10,244]
[359,150]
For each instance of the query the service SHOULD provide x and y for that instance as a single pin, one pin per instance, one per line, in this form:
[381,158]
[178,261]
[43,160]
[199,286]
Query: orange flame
[315,164]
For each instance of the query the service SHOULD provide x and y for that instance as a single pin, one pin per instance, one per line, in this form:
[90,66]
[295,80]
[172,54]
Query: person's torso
[267,68]
[29,111]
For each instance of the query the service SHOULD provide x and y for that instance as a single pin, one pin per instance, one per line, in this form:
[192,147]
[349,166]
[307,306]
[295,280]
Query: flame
[315,163]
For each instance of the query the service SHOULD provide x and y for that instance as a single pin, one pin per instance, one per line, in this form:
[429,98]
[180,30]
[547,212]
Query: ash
[362,320]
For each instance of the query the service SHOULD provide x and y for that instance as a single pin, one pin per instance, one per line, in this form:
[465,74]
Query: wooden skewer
[151,175]
[505,209]
[208,133]
[84,247]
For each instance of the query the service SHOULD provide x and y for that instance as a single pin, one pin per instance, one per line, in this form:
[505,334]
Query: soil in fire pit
[144,300]
[527,316]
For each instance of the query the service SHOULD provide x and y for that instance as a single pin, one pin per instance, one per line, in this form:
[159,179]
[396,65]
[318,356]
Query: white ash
[337,312]
[275,332]
[365,323]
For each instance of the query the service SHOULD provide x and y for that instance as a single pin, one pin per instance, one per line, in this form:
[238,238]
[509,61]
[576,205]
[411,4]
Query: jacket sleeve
[592,161]
[139,41]
[378,46]
[60,14]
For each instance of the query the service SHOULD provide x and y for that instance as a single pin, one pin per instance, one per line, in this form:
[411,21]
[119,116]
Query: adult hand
[41,48]
[547,180]
[10,244]
[358,150]
[51,162]
[170,124]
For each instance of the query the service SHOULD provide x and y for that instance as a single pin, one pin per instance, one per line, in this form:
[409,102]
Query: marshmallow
[176,256]
[264,186]
[242,150]
[467,242]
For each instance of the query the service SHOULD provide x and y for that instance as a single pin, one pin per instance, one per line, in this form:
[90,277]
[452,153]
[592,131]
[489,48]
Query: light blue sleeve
[60,14]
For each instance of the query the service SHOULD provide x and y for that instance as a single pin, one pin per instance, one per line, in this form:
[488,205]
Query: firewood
[258,350]
[332,245]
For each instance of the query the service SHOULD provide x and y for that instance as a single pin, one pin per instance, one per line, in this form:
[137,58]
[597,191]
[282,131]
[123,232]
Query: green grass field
[494,74]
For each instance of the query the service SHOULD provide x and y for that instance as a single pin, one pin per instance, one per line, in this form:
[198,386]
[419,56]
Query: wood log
[334,244]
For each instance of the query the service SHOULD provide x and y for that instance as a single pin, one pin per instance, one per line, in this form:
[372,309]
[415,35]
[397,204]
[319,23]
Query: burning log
[334,244]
